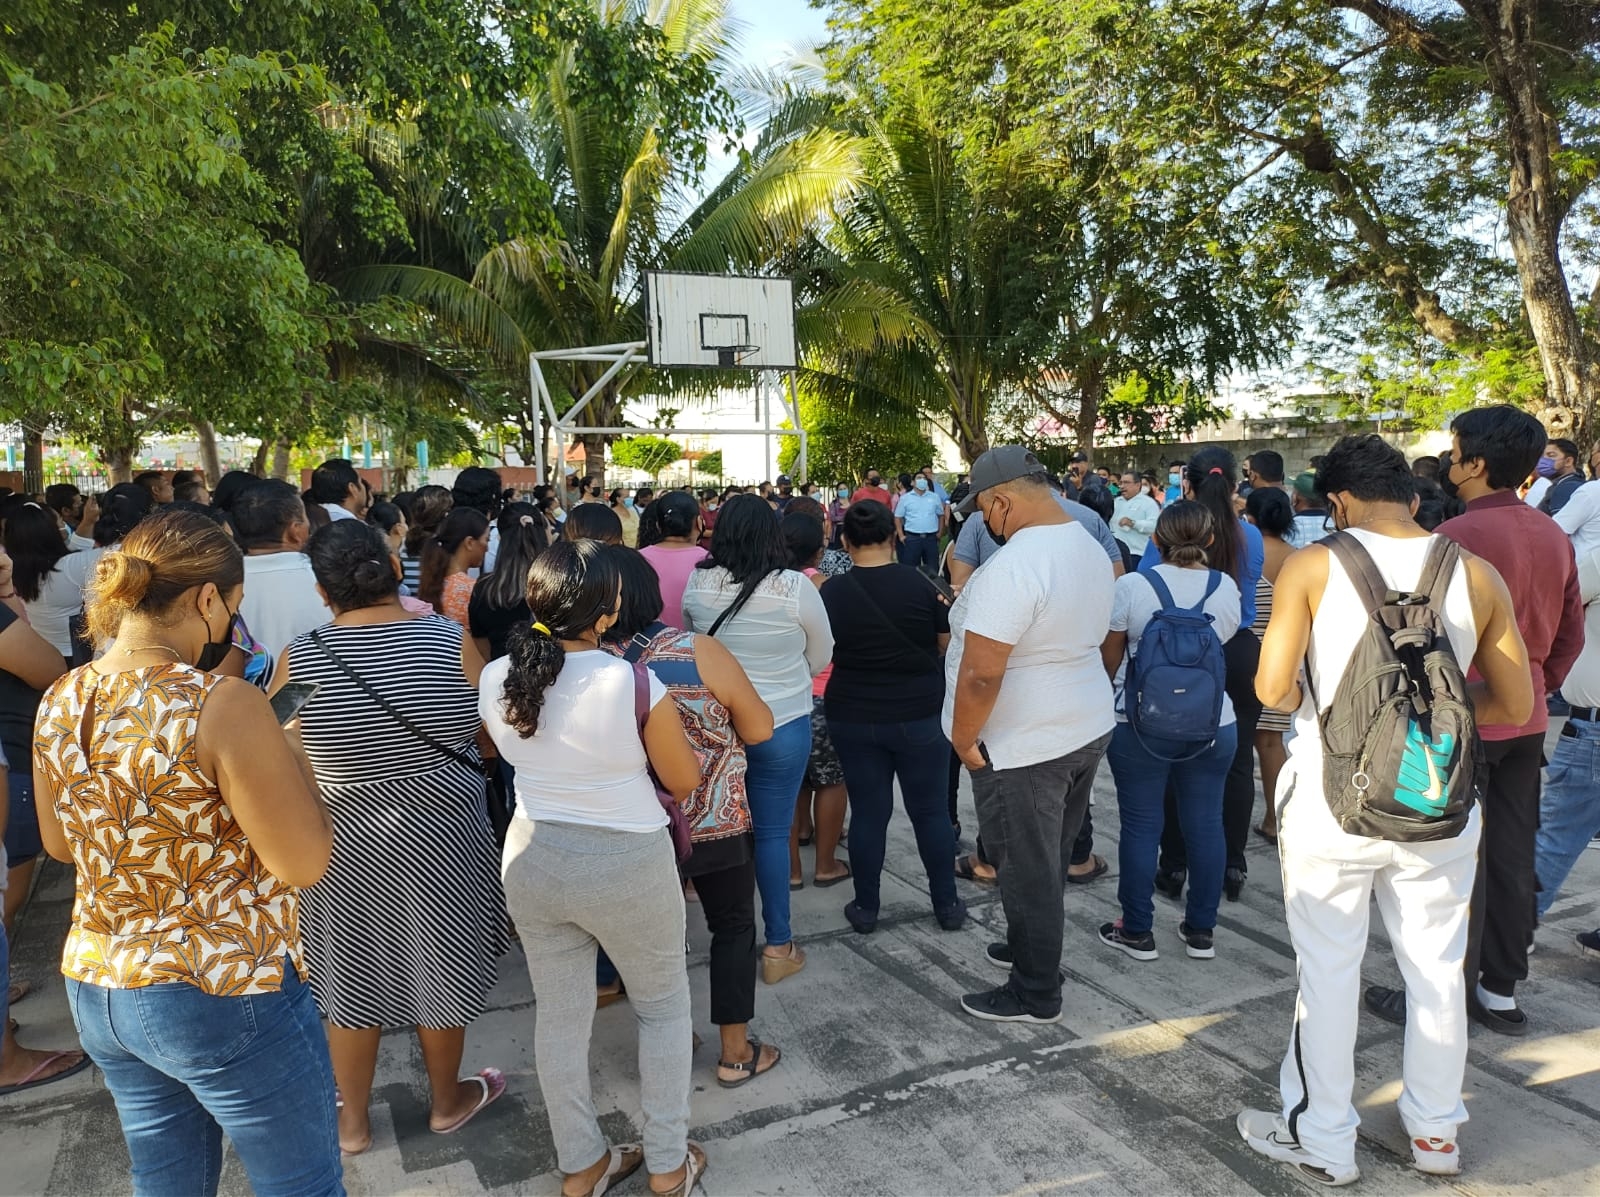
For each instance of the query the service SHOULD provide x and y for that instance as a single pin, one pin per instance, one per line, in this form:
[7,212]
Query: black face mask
[216,651]
[999,538]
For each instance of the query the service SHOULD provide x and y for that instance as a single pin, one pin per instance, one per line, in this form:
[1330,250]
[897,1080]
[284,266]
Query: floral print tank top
[168,888]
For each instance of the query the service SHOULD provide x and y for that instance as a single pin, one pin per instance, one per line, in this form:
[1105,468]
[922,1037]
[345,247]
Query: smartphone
[286,703]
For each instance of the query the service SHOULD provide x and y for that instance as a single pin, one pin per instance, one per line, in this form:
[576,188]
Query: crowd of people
[566,717]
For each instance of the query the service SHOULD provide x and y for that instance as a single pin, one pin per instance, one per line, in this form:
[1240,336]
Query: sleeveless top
[168,888]
[719,808]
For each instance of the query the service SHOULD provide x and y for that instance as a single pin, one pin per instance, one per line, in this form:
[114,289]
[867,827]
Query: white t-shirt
[61,597]
[1582,687]
[1048,594]
[1135,602]
[585,764]
[281,600]
[337,513]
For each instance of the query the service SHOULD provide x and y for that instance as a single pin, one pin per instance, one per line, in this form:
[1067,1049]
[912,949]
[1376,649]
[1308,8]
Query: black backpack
[1400,741]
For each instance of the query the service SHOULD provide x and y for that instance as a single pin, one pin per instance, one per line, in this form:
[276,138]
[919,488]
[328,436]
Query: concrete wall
[1298,444]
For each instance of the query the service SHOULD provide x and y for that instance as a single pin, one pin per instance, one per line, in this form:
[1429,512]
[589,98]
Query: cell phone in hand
[286,703]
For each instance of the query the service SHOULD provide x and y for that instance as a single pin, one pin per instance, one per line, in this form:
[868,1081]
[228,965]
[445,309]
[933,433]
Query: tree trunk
[280,459]
[210,460]
[119,462]
[594,457]
[33,460]
[1090,392]
[258,464]
[1536,207]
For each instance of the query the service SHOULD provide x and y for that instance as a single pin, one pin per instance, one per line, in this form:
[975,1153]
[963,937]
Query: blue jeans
[772,779]
[186,1067]
[873,756]
[1141,779]
[1569,808]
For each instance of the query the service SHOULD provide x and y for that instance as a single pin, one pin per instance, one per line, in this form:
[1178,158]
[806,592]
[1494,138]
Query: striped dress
[408,923]
[1270,721]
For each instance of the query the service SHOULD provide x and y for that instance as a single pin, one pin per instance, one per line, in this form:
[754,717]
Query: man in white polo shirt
[1028,709]
[280,591]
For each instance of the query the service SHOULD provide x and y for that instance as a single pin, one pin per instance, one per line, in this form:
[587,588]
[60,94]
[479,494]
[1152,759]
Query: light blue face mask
[628,502]
[921,484]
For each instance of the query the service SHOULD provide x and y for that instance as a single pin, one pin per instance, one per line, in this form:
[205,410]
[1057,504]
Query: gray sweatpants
[567,887]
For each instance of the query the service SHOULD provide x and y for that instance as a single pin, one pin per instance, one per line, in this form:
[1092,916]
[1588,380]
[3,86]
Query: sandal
[751,1068]
[1270,836]
[602,999]
[624,1161]
[33,1080]
[966,872]
[825,882]
[494,1084]
[1101,868]
[694,1167]
[18,991]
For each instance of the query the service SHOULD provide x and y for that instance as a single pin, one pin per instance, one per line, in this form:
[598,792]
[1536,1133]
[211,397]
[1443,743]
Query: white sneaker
[1436,1157]
[1268,1134]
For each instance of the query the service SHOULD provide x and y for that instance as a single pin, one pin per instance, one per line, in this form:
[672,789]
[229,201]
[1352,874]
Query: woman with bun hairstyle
[670,542]
[623,506]
[589,860]
[407,926]
[1238,551]
[450,561]
[499,603]
[593,521]
[1146,769]
[192,820]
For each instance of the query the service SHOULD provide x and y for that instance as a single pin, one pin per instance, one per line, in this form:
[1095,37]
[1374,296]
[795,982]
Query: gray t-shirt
[975,546]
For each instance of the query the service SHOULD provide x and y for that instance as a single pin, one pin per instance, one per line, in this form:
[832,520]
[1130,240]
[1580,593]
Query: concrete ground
[887,1088]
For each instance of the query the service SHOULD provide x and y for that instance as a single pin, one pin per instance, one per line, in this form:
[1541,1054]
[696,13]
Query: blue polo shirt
[920,510]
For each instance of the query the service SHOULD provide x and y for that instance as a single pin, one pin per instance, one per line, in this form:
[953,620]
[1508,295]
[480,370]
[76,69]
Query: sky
[773,27]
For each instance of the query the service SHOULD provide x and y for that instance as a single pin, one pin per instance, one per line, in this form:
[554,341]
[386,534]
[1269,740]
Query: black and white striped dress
[408,923]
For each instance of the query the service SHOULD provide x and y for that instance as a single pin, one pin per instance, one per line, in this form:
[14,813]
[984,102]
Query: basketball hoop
[730,355]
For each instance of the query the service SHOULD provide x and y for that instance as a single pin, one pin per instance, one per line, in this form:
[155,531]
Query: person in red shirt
[1495,448]
[873,489]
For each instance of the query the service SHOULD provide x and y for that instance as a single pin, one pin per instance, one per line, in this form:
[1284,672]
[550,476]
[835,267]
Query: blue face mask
[843,493]
[921,484]
[628,502]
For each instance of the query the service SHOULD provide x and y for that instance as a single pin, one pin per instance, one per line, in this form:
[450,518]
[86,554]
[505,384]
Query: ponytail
[1211,474]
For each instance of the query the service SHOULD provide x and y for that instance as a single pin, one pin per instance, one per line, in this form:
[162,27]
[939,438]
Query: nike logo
[1420,784]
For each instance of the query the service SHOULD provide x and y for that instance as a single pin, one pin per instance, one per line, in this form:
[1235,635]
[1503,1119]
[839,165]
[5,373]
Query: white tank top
[1342,620]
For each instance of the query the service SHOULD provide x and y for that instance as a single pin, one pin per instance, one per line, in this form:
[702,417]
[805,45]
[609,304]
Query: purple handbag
[677,821]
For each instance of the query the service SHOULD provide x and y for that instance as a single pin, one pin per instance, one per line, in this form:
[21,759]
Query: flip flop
[751,1068]
[1270,837]
[18,991]
[1101,868]
[825,882]
[794,885]
[624,1162]
[494,1084]
[33,1080]
[965,871]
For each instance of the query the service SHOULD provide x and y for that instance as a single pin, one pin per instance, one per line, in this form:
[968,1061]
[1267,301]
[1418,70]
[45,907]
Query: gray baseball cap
[1004,464]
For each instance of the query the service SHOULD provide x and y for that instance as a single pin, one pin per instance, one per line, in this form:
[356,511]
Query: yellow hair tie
[539,627]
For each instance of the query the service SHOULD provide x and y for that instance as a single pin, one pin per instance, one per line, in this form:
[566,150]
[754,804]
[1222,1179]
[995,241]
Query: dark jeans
[1505,890]
[1082,847]
[1242,655]
[185,1067]
[728,900]
[1142,781]
[922,550]
[1029,818]
[874,755]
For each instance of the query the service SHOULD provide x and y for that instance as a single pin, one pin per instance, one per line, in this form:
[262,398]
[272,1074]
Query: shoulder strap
[343,667]
[641,688]
[1164,595]
[1438,569]
[746,592]
[1361,569]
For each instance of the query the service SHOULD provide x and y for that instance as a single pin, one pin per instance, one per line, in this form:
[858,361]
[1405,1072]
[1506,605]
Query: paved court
[887,1088]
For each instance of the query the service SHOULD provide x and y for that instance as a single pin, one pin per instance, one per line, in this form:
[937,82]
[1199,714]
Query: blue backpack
[1173,689]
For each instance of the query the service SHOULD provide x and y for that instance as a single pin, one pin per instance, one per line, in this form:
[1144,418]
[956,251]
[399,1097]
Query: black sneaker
[954,918]
[1198,943]
[999,955]
[1003,1005]
[1388,1004]
[1170,882]
[1233,883]
[863,922]
[1589,941]
[1140,947]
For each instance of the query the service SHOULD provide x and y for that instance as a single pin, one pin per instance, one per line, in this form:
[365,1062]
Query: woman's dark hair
[802,534]
[675,513]
[593,521]
[1097,497]
[384,516]
[1371,469]
[123,506]
[641,594]
[428,511]
[1269,508]
[317,516]
[352,564]
[463,523]
[1212,474]
[523,537]
[614,499]
[868,522]
[403,501]
[33,539]
[1507,439]
[159,561]
[1185,532]
[748,543]
[571,587]
[905,482]
[478,488]
[806,505]
[1433,505]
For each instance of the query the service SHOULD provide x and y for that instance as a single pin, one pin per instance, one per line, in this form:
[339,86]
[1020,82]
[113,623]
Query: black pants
[921,549]
[1082,847]
[728,899]
[1242,656]
[1504,893]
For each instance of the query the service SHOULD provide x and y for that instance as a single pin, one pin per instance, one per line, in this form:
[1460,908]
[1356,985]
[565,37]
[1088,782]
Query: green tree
[843,441]
[709,465]
[652,454]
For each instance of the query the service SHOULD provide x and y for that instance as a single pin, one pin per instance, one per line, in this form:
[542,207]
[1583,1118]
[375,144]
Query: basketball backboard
[720,320]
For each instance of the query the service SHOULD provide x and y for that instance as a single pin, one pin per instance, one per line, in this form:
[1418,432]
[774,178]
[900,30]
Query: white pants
[1423,892]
